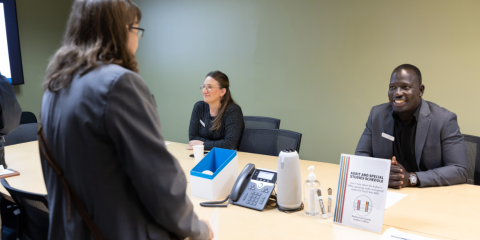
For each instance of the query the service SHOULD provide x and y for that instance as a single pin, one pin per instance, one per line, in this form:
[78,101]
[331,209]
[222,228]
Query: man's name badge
[391,138]
[203,124]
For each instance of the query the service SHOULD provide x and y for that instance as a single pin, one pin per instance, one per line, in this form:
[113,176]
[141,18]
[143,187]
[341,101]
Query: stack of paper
[394,234]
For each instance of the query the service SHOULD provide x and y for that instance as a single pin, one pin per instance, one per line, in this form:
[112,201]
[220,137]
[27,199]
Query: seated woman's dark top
[229,134]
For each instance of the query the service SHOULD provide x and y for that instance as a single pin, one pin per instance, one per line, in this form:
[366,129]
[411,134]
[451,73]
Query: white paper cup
[198,153]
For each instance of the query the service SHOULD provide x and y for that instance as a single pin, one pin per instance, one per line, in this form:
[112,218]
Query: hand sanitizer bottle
[309,197]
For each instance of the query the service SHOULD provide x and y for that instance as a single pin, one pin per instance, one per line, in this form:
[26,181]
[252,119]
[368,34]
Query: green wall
[318,65]
[41,26]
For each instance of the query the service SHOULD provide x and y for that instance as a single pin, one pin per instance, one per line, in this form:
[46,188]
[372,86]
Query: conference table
[437,212]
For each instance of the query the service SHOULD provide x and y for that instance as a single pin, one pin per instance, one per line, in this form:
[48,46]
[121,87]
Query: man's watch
[413,179]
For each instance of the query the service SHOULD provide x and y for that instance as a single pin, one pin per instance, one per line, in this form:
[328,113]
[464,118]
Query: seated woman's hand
[193,143]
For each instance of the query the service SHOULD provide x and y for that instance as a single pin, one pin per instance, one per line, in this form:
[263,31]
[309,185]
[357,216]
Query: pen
[320,200]
[330,202]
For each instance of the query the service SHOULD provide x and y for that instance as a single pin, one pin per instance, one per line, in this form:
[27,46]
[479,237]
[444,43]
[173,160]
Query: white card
[5,172]
[362,192]
[391,138]
[393,197]
[214,224]
[202,123]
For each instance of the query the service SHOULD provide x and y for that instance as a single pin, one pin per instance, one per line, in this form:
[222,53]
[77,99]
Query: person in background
[422,139]
[217,121]
[10,116]
[100,122]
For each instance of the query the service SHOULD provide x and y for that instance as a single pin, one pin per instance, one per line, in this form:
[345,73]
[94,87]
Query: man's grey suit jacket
[438,143]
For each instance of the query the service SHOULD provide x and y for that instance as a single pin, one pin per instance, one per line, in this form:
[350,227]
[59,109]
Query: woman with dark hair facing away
[217,121]
[101,128]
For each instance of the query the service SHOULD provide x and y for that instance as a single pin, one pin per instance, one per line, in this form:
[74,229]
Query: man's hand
[399,177]
[193,143]
[210,235]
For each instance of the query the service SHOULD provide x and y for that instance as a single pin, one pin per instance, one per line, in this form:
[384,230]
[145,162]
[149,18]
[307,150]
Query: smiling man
[422,139]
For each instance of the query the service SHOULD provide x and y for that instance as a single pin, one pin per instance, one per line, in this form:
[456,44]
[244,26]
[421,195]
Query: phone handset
[237,189]
[242,180]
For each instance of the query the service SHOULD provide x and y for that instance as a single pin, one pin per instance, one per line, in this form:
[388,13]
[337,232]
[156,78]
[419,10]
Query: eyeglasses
[139,32]
[209,88]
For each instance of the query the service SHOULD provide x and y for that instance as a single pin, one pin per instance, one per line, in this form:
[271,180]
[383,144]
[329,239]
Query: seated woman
[217,121]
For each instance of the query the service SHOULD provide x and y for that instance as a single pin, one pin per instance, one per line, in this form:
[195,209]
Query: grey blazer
[438,143]
[10,114]
[104,132]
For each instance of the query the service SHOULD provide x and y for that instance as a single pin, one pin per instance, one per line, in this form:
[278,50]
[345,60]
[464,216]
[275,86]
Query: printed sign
[362,192]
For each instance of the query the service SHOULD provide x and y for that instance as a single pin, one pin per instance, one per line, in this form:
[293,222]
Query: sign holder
[362,192]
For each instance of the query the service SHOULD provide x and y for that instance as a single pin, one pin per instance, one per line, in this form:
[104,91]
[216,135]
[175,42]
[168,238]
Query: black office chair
[269,141]
[24,133]
[473,154]
[10,217]
[34,219]
[28,117]
[254,122]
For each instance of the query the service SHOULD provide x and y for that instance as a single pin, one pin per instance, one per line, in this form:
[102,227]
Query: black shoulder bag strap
[71,195]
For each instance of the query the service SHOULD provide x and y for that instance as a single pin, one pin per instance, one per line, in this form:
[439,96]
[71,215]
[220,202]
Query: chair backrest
[24,133]
[254,122]
[473,154]
[34,219]
[269,141]
[28,117]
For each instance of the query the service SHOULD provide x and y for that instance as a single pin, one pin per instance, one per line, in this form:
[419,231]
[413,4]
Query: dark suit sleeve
[364,147]
[132,124]
[234,126]
[453,154]
[10,109]
[194,129]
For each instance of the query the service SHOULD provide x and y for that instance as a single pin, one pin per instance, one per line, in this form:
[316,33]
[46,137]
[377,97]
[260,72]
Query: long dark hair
[96,31]
[225,101]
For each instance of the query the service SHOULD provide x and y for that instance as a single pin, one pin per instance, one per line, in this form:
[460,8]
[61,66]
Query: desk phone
[252,189]
[257,189]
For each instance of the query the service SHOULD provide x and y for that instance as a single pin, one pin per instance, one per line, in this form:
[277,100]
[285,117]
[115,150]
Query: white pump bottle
[310,191]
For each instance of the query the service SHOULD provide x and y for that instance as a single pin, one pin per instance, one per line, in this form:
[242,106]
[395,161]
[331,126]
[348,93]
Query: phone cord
[215,203]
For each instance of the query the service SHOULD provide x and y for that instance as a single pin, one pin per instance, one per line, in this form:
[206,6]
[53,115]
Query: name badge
[203,124]
[391,138]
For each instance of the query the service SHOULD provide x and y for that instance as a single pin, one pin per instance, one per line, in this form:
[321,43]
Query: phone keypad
[256,193]
[255,198]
